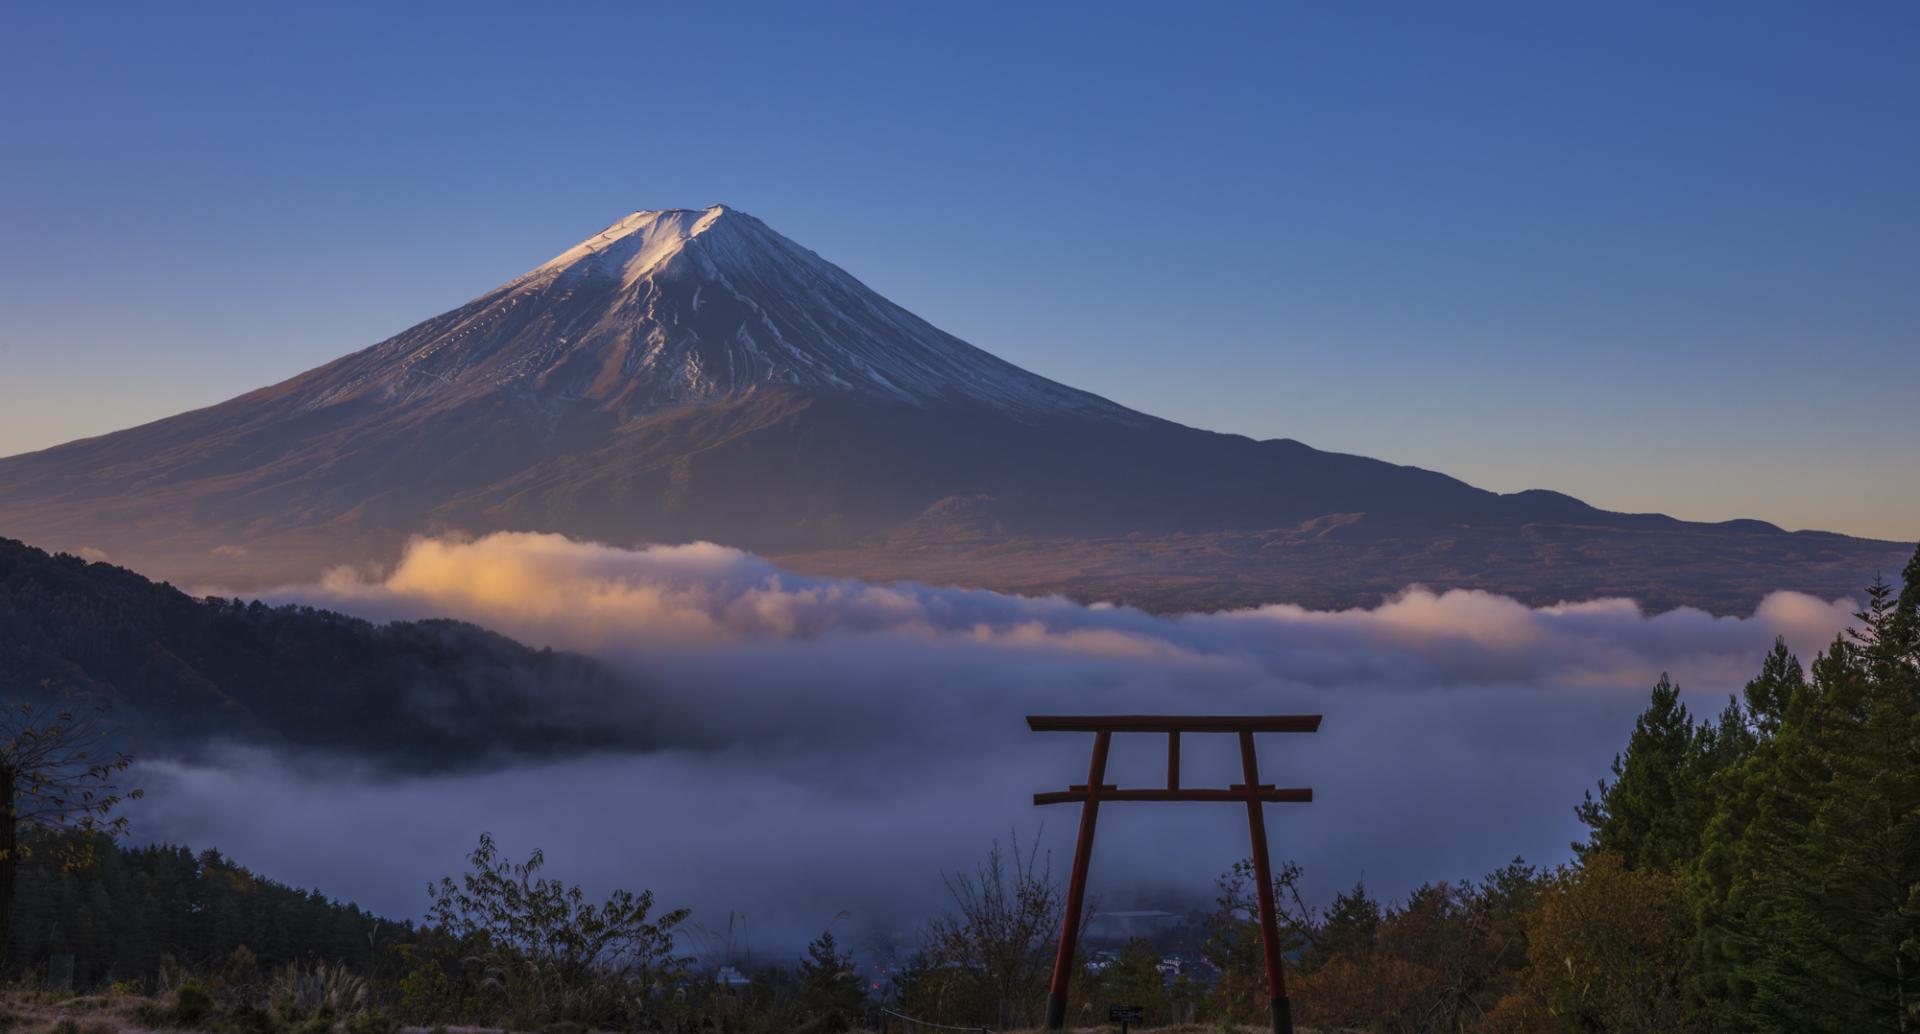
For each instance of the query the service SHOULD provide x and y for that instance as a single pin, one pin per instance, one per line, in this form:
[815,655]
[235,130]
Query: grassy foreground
[43,1012]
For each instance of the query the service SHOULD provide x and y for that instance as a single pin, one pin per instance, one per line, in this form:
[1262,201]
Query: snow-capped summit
[637,244]
[680,305]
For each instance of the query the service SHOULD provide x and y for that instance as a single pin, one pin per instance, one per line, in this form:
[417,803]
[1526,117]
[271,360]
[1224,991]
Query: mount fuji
[692,374]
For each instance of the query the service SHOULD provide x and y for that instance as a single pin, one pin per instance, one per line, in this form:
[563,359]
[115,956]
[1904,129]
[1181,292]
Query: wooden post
[1173,760]
[1263,874]
[1077,886]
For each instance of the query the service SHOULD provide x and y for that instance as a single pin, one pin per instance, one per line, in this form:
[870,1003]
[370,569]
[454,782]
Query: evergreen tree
[1653,810]
[919,986]
[1511,890]
[832,996]
[1780,686]
[1836,905]
[1349,928]
[1806,892]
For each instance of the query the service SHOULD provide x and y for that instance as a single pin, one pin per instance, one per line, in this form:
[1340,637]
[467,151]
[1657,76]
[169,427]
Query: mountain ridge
[692,374]
[181,674]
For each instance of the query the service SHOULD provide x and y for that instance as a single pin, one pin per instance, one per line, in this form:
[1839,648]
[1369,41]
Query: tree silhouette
[831,995]
[56,776]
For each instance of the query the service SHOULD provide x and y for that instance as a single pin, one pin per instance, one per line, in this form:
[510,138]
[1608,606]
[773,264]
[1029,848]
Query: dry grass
[43,1013]
[32,1012]
[1178,1028]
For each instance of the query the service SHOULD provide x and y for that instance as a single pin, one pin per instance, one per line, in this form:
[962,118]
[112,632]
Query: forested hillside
[1783,838]
[134,908]
[180,671]
[1754,872]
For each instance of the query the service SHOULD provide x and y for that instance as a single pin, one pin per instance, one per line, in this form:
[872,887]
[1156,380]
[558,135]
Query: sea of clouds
[837,746]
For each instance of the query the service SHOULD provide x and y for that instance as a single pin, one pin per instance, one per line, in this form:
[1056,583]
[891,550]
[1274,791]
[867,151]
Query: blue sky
[1659,256]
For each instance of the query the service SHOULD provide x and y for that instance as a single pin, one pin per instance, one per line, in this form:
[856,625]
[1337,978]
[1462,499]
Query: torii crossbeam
[1097,789]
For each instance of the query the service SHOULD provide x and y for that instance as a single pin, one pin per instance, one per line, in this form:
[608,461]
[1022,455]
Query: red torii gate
[1096,789]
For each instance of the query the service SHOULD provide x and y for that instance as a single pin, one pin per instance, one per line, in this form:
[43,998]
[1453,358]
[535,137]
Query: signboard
[1126,1014]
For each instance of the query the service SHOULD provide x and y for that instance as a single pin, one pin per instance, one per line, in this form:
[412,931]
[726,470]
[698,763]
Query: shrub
[252,1020]
[423,992]
[372,1021]
[193,1007]
[192,1003]
[1607,947]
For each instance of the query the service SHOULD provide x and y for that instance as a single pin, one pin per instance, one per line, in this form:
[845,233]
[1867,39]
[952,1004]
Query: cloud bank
[838,744]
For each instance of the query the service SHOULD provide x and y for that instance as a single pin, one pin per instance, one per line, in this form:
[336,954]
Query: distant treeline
[136,908]
[413,693]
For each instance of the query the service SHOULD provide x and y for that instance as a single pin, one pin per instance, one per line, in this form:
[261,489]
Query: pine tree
[1839,906]
[1780,687]
[832,996]
[1351,923]
[1652,811]
[1807,890]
